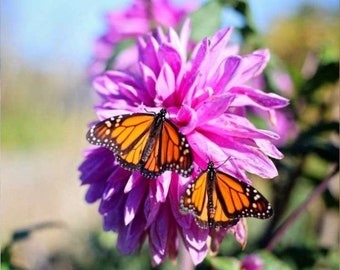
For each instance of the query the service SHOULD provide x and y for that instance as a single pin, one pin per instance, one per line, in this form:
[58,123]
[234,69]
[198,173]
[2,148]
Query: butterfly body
[217,199]
[146,142]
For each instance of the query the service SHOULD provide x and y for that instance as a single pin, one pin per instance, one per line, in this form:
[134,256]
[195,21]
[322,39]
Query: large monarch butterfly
[217,199]
[147,142]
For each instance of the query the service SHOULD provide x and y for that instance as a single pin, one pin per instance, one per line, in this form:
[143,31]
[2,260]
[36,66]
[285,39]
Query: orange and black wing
[174,152]
[200,200]
[170,151]
[217,199]
[236,199]
[146,142]
[125,135]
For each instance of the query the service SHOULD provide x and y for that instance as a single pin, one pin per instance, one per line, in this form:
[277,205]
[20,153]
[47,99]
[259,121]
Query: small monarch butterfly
[217,199]
[147,142]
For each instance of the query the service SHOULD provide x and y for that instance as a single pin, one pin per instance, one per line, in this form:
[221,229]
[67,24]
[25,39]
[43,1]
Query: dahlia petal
[148,54]
[131,237]
[165,84]
[176,43]
[190,80]
[151,208]
[106,205]
[226,73]
[134,200]
[252,262]
[97,166]
[253,64]
[126,59]
[114,219]
[185,36]
[186,117]
[204,149]
[251,157]
[95,192]
[213,107]
[162,186]
[170,56]
[220,39]
[240,231]
[239,127]
[269,149]
[133,181]
[104,86]
[149,78]
[197,255]
[246,96]
[161,232]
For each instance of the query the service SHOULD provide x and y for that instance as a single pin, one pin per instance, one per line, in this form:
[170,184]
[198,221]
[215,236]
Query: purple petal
[240,232]
[148,54]
[131,237]
[165,84]
[252,262]
[235,126]
[213,107]
[269,149]
[246,96]
[226,74]
[95,192]
[97,166]
[151,209]
[170,56]
[134,200]
[149,79]
[114,219]
[133,181]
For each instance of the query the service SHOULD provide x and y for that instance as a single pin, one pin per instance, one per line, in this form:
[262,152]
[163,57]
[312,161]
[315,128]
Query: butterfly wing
[217,199]
[195,200]
[125,135]
[164,148]
[201,200]
[218,217]
[174,151]
[236,199]
[146,142]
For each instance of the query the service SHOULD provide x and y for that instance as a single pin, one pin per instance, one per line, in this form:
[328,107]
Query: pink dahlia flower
[280,121]
[137,20]
[203,94]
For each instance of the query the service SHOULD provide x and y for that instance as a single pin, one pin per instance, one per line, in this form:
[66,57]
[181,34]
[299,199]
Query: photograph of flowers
[166,134]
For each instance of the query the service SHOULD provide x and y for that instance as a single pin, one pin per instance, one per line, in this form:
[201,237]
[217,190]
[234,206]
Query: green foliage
[205,20]
[220,263]
[273,262]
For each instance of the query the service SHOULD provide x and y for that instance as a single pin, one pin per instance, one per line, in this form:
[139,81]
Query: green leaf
[4,266]
[206,20]
[314,141]
[221,263]
[325,73]
[302,256]
[272,262]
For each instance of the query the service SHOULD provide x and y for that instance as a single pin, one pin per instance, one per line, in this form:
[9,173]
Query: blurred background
[46,104]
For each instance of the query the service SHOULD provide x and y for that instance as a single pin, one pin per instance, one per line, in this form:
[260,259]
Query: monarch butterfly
[217,199]
[147,142]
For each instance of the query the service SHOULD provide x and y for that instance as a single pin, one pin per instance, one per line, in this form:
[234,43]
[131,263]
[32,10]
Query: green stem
[294,216]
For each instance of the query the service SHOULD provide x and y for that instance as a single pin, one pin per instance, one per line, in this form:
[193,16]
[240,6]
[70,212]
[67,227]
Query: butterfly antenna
[224,162]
